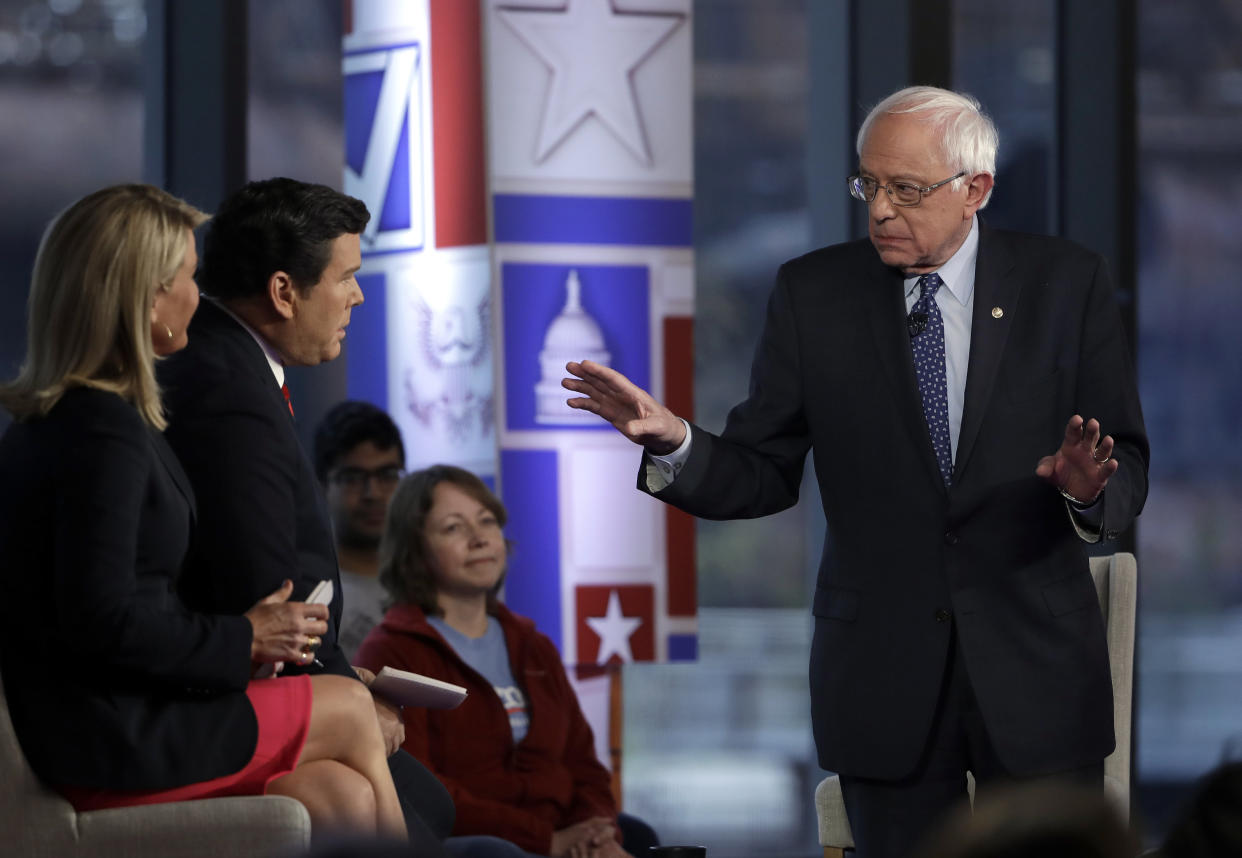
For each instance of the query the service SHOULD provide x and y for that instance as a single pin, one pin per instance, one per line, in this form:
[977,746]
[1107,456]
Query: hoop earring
[170,334]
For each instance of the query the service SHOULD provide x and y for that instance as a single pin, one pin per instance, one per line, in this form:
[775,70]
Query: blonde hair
[95,276]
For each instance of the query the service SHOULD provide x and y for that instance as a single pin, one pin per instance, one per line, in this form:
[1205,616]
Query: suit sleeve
[246,481]
[1107,391]
[474,813]
[753,468]
[123,627]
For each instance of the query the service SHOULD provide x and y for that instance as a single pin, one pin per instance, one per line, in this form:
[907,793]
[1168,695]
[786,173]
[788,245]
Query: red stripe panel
[679,365]
[679,396]
[682,567]
[457,123]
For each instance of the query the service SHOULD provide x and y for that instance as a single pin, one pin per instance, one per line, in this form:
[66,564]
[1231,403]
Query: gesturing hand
[1083,464]
[284,630]
[625,405]
[392,727]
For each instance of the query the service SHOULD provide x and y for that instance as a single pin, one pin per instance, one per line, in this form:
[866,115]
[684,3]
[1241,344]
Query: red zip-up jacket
[522,792]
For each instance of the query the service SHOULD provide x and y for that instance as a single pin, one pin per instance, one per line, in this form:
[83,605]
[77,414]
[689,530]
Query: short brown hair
[95,276]
[404,570]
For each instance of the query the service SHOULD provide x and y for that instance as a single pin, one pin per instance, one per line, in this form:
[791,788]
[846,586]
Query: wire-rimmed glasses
[901,193]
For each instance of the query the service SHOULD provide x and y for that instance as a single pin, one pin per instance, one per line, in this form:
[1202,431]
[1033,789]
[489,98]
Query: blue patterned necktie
[927,342]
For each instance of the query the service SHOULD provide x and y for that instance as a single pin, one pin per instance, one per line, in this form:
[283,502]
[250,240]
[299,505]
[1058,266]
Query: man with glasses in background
[955,383]
[359,459]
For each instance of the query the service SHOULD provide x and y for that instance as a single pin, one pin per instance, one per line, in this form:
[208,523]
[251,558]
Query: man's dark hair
[275,225]
[1211,823]
[1034,819]
[347,425]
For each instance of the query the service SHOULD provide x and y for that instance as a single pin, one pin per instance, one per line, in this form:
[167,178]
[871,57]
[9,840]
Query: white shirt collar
[958,273]
[273,359]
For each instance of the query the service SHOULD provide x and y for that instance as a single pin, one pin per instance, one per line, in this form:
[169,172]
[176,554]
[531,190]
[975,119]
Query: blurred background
[720,751]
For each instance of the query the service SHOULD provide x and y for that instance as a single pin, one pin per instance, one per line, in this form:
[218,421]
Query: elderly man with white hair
[956,383]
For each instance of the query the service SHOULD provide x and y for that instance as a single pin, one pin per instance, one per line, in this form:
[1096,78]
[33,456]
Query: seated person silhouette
[517,755]
[120,695]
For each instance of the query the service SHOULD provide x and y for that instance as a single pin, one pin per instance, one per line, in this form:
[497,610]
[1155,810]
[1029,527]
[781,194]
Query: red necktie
[284,388]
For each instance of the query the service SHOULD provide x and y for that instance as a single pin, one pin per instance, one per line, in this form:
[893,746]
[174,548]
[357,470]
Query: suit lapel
[173,467]
[996,287]
[886,310]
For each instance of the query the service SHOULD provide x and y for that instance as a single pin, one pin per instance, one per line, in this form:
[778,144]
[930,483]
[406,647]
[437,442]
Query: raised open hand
[1083,464]
[629,408]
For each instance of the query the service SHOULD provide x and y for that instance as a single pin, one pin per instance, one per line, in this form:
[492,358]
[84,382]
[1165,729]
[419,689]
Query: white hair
[968,138]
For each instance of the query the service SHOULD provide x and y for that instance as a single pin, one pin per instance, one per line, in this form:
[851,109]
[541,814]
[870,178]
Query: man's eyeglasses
[901,193]
[356,478]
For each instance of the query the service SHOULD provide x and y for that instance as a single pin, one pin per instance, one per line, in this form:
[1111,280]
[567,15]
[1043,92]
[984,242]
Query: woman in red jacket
[517,755]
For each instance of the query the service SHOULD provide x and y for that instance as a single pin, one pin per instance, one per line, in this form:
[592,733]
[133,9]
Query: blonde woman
[119,695]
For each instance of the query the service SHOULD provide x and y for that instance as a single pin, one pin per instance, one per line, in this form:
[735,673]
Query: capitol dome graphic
[573,335]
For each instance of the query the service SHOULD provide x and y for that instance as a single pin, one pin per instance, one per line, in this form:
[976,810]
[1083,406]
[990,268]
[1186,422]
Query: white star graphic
[614,630]
[592,52]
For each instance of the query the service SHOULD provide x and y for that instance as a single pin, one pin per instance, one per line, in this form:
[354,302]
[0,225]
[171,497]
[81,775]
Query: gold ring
[312,643]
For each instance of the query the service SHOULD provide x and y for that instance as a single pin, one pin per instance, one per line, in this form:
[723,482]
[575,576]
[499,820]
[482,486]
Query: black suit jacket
[906,560]
[261,514]
[262,517]
[111,682]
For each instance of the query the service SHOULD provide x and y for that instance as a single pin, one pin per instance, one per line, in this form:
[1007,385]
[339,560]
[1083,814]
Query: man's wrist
[1076,503]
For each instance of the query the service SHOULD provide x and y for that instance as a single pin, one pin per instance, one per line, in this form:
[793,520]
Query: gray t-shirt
[362,610]
[489,655]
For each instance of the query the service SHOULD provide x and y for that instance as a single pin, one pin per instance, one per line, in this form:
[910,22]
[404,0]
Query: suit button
[942,616]
[950,538]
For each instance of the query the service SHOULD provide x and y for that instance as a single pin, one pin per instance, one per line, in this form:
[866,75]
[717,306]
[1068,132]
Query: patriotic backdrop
[469,318]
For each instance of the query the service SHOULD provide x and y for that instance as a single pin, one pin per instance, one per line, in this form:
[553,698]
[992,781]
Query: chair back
[1116,583]
[36,820]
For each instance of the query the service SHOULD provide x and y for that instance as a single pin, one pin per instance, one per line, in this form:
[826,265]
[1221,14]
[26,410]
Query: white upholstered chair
[1116,583]
[37,822]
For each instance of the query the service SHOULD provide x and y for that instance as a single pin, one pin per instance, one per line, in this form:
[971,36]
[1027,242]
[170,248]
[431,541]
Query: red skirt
[282,707]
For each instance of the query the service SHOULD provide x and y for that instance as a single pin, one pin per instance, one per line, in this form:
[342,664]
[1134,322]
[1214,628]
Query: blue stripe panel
[533,585]
[366,361]
[361,100]
[593,220]
[683,647]
[397,203]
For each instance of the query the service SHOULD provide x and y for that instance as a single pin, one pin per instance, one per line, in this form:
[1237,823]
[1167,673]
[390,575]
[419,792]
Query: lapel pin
[997,312]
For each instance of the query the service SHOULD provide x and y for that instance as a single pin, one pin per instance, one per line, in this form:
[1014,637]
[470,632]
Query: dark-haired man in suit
[941,372]
[278,268]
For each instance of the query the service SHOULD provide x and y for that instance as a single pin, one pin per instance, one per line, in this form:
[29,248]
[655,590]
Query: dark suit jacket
[111,682]
[261,514]
[906,560]
[262,518]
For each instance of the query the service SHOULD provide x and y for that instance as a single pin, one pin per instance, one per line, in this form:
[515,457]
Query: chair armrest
[834,826]
[207,828]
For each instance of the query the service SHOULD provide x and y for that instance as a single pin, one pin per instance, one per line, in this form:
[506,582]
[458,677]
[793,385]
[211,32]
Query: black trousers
[426,804]
[890,818]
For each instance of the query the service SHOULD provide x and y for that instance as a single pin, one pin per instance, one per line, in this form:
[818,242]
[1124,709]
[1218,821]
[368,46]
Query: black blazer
[111,682]
[261,515]
[905,560]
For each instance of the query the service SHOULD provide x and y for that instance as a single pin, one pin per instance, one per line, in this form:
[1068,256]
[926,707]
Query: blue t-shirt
[489,655]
